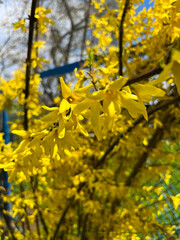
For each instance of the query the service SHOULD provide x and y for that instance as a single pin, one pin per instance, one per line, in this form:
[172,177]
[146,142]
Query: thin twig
[37,37]
[68,11]
[83,236]
[157,136]
[144,76]
[77,27]
[72,31]
[61,220]
[6,219]
[68,48]
[85,28]
[32,20]
[38,209]
[152,144]
[25,210]
[121,32]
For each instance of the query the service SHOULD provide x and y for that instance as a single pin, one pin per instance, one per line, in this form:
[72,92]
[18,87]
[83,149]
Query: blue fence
[61,70]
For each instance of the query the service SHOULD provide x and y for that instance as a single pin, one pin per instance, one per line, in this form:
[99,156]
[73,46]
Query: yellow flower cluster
[90,162]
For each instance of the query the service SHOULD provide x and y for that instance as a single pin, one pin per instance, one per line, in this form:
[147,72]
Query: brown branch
[79,219]
[72,31]
[28,61]
[38,209]
[138,121]
[76,28]
[55,33]
[6,219]
[68,12]
[32,20]
[157,136]
[121,32]
[68,48]
[152,144]
[25,209]
[37,36]
[83,236]
[61,220]
[85,29]
[37,226]
[33,178]
[144,76]
[150,73]
[42,219]
[165,233]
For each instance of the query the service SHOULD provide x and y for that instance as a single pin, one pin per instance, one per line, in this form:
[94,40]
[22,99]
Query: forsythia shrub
[87,166]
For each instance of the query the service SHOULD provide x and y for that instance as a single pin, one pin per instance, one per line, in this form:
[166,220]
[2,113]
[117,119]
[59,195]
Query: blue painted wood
[61,70]
[6,127]
[7,185]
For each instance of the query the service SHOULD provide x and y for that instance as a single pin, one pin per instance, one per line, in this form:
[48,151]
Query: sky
[147,4]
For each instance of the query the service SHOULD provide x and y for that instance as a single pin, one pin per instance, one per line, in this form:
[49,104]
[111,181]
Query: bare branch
[121,32]
[61,220]
[68,13]
[152,144]
[144,76]
[28,61]
[85,28]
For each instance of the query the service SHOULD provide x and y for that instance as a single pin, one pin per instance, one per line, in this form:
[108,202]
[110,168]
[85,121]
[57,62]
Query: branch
[6,218]
[121,31]
[85,29]
[152,144]
[83,236]
[27,80]
[72,31]
[28,61]
[149,73]
[138,121]
[165,233]
[76,28]
[143,76]
[37,37]
[25,210]
[157,136]
[61,220]
[38,209]
[68,47]
[68,13]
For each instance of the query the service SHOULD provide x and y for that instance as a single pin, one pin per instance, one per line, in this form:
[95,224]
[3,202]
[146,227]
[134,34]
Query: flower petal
[64,106]
[176,73]
[66,91]
[99,95]
[61,128]
[50,117]
[80,107]
[118,84]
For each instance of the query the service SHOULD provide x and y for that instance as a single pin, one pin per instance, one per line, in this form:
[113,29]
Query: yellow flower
[107,100]
[40,14]
[67,93]
[64,113]
[20,24]
[26,140]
